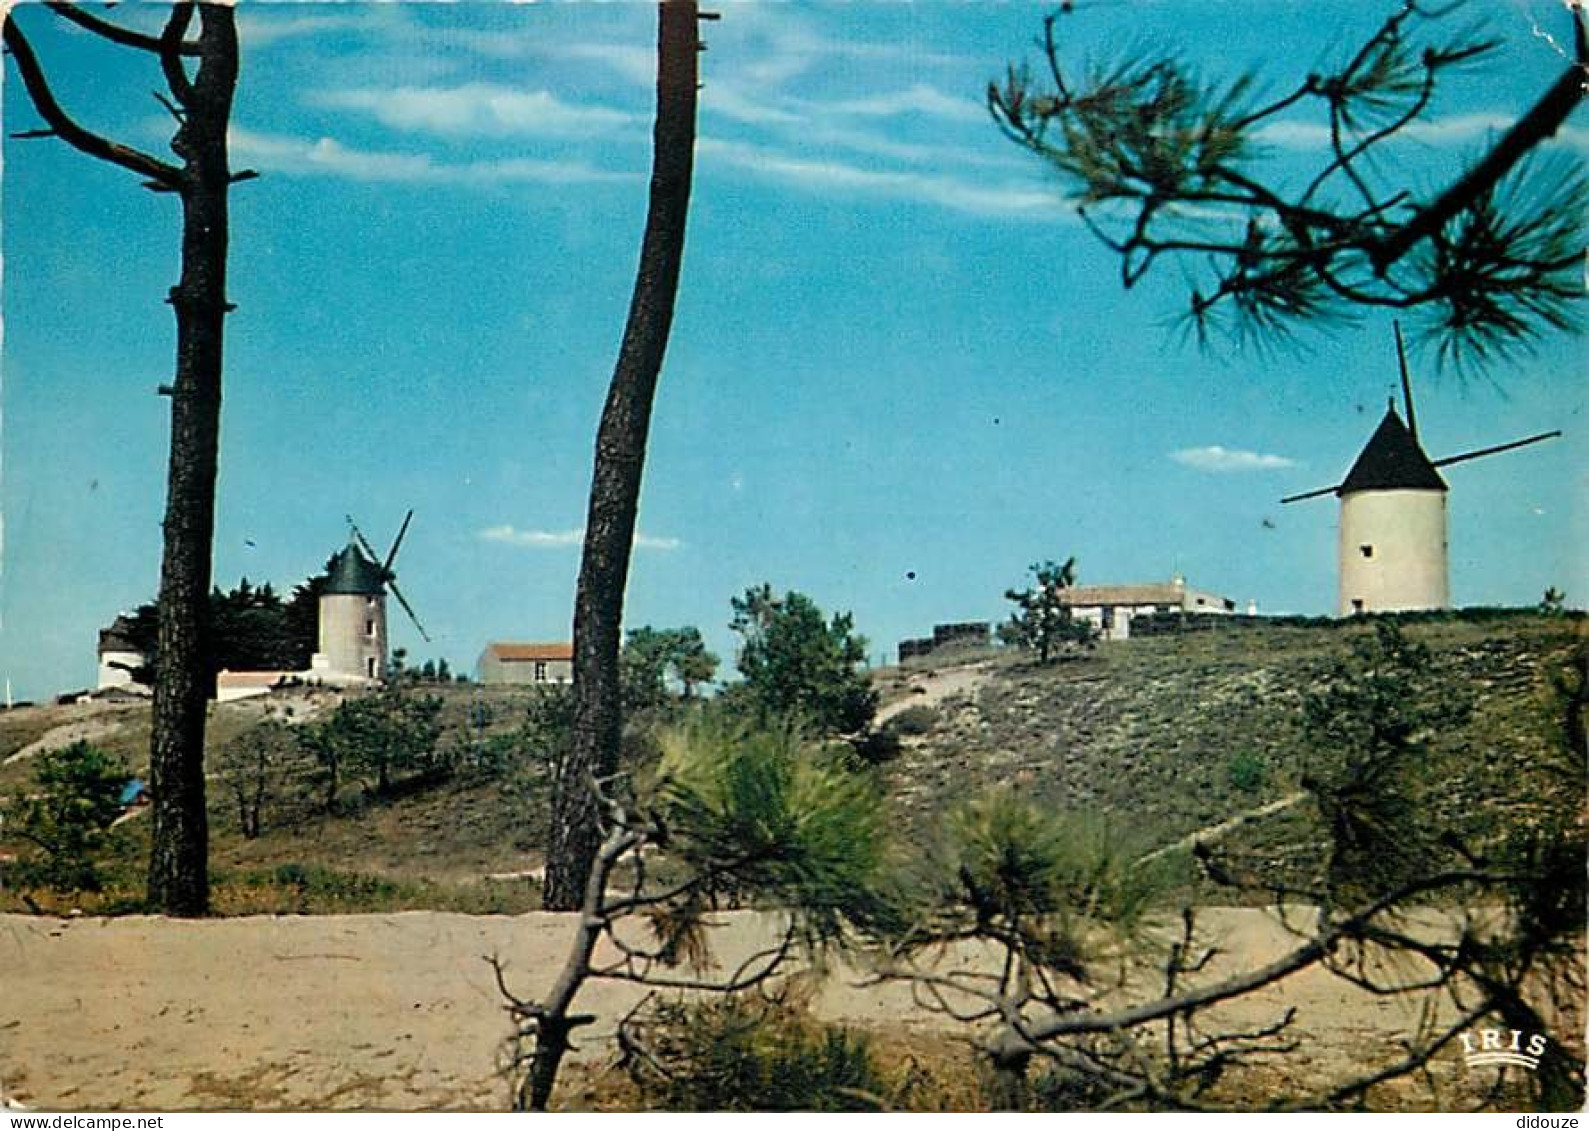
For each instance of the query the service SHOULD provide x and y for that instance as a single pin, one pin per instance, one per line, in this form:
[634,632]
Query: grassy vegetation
[1166,734]
[1177,732]
[774,1055]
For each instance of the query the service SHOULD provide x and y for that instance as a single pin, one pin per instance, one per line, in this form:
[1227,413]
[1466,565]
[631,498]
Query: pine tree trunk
[178,856]
[619,464]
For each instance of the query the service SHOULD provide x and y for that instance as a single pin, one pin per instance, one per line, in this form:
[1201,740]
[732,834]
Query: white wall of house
[112,676]
[1113,622]
[1112,618]
[494,669]
[228,693]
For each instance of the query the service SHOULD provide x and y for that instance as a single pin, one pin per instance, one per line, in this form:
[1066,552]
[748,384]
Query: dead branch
[63,126]
[115,32]
[1329,935]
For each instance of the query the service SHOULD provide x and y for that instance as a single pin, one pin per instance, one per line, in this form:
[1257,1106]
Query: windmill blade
[1310,494]
[1406,382]
[407,608]
[364,543]
[1498,448]
[391,557]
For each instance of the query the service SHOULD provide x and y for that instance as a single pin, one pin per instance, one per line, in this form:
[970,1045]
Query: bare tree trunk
[619,464]
[178,855]
[202,106]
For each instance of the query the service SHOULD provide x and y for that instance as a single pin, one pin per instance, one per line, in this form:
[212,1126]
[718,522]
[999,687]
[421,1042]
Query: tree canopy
[252,628]
[1041,620]
[66,815]
[797,663]
[655,659]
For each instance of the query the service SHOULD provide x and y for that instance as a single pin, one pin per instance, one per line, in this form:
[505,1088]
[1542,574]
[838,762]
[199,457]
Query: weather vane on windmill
[1393,548]
[353,639]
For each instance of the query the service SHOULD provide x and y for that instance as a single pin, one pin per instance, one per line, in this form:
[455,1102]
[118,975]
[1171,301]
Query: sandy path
[930,688]
[102,721]
[400,1011]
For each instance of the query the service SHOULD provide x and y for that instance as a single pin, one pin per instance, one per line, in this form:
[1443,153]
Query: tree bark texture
[619,464]
[202,105]
[178,856]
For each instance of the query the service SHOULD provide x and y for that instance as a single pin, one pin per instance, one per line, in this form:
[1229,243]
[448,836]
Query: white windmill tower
[352,630]
[1393,549]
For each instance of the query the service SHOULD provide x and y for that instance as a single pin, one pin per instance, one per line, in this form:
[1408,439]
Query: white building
[119,657]
[1110,608]
[230,685]
[504,662]
[352,638]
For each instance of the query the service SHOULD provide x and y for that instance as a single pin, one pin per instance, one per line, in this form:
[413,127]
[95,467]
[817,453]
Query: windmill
[353,608]
[1393,551]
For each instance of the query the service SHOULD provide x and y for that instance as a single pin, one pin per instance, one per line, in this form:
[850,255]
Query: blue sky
[900,371]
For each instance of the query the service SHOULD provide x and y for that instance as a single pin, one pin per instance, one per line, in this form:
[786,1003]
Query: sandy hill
[1164,735]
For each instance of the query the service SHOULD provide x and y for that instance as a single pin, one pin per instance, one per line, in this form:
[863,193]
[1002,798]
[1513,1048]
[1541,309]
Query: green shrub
[1245,770]
[63,819]
[740,1055]
[876,746]
[912,721]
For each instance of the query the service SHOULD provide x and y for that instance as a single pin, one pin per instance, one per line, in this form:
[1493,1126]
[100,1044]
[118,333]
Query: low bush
[62,822]
[1245,770]
[914,721]
[753,1055]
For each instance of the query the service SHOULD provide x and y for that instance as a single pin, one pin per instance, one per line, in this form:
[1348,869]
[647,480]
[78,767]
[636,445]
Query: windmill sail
[388,577]
[1311,494]
[1497,449]
[1406,382]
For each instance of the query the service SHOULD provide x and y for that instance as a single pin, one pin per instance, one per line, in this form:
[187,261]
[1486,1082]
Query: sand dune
[401,1011]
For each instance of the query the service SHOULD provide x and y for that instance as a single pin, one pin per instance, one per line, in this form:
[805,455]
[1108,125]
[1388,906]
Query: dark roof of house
[1392,460]
[352,572]
[118,637]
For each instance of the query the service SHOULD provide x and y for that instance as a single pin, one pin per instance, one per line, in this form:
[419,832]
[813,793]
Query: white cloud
[513,536]
[325,156]
[559,539]
[256,31]
[919,99]
[477,109]
[1007,201]
[731,102]
[1456,129]
[635,62]
[1218,459]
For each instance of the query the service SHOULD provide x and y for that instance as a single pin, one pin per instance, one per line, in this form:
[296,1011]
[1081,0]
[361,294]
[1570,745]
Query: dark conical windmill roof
[352,572]
[1392,460]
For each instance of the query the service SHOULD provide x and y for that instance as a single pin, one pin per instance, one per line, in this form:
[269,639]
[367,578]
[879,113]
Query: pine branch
[1540,123]
[1032,1037]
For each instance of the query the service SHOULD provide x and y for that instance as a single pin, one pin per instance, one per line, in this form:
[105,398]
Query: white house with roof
[504,662]
[1110,608]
